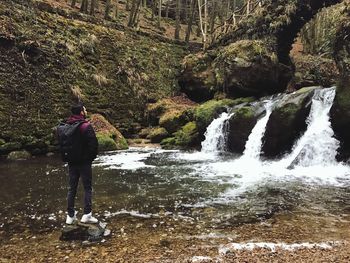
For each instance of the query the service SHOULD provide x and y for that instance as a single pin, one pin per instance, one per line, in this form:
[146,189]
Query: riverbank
[171,239]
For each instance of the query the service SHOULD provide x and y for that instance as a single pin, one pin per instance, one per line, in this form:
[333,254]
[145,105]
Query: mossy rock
[287,122]
[240,126]
[106,142]
[18,155]
[145,132]
[109,137]
[187,136]
[207,112]
[173,120]
[169,143]
[9,147]
[249,68]
[198,80]
[170,113]
[157,135]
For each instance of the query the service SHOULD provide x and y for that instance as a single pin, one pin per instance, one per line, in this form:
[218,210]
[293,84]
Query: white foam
[224,249]
[130,159]
[133,213]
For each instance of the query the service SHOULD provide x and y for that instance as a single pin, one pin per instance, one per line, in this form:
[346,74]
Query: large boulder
[197,79]
[240,126]
[241,69]
[109,138]
[205,113]
[287,122]
[250,68]
[171,113]
[184,138]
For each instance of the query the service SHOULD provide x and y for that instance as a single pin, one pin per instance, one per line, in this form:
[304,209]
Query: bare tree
[117,9]
[92,7]
[107,9]
[177,18]
[73,3]
[190,20]
[84,6]
[159,12]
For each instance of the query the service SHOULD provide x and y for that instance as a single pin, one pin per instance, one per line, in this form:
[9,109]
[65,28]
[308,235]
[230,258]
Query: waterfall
[254,143]
[215,135]
[317,146]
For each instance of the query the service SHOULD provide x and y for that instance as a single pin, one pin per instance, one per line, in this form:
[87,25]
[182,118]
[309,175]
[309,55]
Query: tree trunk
[201,22]
[159,13]
[133,12]
[190,21]
[117,9]
[127,6]
[177,17]
[167,10]
[108,9]
[84,6]
[93,6]
[73,3]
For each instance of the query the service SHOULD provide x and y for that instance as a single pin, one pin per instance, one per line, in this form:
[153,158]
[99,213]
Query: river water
[149,182]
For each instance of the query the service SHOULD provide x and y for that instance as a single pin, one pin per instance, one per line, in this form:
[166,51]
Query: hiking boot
[71,220]
[88,219]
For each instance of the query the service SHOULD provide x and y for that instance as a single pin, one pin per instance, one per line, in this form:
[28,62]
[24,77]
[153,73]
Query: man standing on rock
[79,146]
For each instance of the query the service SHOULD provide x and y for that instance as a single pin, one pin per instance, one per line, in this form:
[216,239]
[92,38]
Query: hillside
[47,56]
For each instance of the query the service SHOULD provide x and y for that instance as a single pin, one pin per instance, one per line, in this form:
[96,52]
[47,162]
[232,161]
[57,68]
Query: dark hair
[77,108]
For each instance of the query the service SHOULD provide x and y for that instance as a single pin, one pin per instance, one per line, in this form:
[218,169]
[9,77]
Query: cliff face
[46,59]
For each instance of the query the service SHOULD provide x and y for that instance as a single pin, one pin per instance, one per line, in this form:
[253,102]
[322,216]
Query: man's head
[79,109]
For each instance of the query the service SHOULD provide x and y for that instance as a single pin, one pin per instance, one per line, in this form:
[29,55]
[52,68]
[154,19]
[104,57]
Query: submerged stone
[84,232]
[18,155]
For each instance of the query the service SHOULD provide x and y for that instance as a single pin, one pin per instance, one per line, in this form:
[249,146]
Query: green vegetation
[106,142]
[56,58]
[208,111]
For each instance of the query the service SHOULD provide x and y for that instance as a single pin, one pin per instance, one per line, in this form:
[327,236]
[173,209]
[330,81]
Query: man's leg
[86,176]
[73,172]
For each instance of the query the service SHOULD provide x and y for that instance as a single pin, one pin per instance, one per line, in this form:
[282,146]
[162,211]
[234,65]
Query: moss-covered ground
[45,58]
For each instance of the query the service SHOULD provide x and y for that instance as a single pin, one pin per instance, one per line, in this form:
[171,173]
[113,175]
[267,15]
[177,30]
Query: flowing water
[218,190]
[215,136]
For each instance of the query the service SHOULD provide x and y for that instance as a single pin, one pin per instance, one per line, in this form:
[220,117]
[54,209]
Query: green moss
[156,135]
[173,120]
[187,135]
[244,113]
[113,70]
[2,142]
[207,112]
[106,143]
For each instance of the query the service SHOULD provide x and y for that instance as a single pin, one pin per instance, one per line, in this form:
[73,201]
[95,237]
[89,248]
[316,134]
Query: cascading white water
[317,146]
[254,143]
[215,135]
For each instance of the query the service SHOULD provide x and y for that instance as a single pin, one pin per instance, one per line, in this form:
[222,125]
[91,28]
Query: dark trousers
[75,172]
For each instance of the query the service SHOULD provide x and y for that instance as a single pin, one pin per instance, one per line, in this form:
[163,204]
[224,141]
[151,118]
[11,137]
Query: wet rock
[240,126]
[86,232]
[287,122]
[18,155]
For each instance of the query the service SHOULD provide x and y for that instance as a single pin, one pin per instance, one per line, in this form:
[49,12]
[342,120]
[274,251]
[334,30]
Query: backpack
[70,141]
